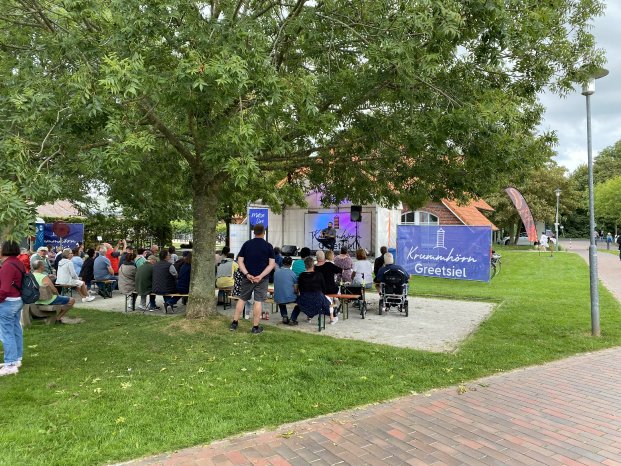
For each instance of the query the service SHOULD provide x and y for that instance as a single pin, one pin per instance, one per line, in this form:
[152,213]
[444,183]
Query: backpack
[30,288]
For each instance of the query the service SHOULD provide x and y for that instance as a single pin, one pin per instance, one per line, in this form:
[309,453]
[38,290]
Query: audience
[144,284]
[285,287]
[102,268]
[42,255]
[127,278]
[226,272]
[165,280]
[77,260]
[362,271]
[24,258]
[344,262]
[389,264]
[126,251]
[185,272]
[68,276]
[173,257]
[86,273]
[328,270]
[298,264]
[46,287]
[312,300]
[113,255]
[379,262]
[140,258]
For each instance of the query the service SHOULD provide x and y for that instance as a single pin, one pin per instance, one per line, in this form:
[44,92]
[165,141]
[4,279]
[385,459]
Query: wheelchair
[394,292]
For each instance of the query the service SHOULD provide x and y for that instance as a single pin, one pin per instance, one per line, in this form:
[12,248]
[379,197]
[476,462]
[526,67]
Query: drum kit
[345,239]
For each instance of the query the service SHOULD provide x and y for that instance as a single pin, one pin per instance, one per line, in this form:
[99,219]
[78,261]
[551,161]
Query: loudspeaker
[289,250]
[355,214]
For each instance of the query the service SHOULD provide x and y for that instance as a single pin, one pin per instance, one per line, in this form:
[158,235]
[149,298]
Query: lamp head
[557,192]
[588,88]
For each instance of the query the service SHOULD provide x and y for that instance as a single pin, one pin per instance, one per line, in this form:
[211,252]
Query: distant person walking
[619,243]
[256,261]
[544,243]
[608,240]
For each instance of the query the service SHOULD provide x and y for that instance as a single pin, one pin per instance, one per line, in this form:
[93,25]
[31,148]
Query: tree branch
[171,137]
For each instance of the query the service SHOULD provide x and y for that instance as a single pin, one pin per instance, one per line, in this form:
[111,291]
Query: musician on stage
[328,237]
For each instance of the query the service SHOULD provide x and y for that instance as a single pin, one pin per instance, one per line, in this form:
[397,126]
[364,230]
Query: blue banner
[456,252]
[39,236]
[258,215]
[75,236]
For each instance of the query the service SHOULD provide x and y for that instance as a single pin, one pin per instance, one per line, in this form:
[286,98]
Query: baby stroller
[394,292]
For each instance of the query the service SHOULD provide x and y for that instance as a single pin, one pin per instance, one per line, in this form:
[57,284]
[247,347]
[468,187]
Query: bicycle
[495,265]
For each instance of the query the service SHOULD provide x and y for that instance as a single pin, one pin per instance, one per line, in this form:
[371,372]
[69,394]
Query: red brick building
[449,212]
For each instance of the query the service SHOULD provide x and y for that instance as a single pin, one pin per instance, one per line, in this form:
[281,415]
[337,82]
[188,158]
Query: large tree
[371,100]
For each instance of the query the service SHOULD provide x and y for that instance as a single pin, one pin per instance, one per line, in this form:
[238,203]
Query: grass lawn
[119,387]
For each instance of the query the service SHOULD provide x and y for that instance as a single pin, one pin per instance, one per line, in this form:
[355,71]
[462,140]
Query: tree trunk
[202,302]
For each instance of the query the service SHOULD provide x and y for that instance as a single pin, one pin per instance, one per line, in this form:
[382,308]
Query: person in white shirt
[544,242]
[68,276]
[362,271]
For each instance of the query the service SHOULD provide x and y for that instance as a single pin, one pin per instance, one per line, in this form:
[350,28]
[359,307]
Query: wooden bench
[105,287]
[66,290]
[39,311]
[344,299]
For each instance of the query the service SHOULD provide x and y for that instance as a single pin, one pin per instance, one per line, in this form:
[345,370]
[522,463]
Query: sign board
[456,252]
[75,235]
[258,215]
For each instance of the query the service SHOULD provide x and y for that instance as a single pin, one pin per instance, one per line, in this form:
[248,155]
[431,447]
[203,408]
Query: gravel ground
[437,325]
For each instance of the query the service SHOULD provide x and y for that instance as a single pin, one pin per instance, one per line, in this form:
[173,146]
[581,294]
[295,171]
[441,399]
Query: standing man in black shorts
[256,261]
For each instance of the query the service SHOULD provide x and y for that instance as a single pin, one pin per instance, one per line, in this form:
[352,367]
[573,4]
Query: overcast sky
[568,116]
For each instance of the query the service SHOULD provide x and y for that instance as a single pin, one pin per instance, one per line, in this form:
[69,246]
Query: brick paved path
[565,412]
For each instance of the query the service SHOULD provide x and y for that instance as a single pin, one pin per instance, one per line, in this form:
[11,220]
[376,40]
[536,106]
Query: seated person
[226,271]
[165,279]
[68,276]
[329,272]
[389,264]
[86,272]
[344,262]
[312,299]
[185,271]
[127,278]
[378,264]
[102,268]
[77,260]
[144,284]
[44,281]
[298,265]
[42,254]
[362,271]
[285,287]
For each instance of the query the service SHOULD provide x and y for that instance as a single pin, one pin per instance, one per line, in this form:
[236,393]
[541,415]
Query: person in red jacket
[11,305]
[113,255]
[24,258]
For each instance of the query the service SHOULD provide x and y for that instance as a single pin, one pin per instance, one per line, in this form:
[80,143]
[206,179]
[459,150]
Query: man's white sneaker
[88,299]
[8,370]
[334,321]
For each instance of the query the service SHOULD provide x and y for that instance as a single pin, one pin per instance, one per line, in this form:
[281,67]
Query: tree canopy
[366,100]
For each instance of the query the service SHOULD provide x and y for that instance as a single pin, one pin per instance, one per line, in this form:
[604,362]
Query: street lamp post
[588,89]
[557,191]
